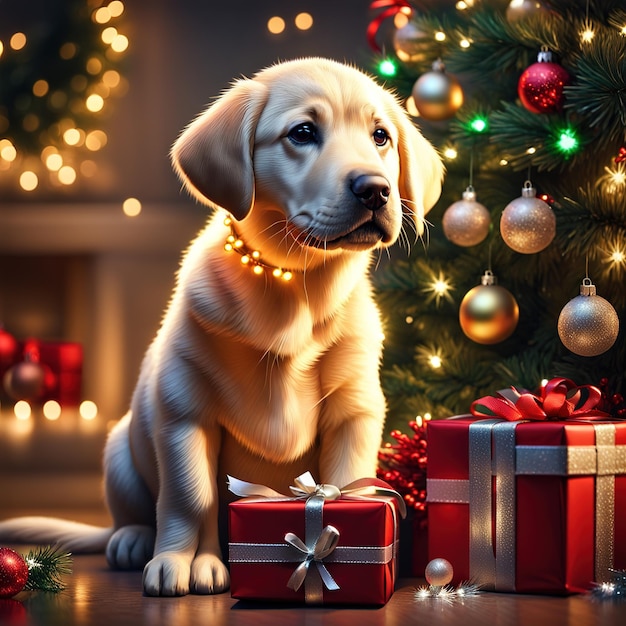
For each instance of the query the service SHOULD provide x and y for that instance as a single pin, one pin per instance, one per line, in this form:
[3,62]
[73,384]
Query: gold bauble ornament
[488,313]
[408,42]
[436,94]
[466,222]
[522,9]
[588,324]
[528,224]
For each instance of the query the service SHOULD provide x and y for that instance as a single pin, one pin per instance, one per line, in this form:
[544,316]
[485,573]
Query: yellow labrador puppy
[267,360]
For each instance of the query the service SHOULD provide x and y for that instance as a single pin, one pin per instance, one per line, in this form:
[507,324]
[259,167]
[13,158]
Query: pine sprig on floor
[46,566]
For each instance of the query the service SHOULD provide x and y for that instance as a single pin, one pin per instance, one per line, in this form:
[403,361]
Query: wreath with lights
[55,83]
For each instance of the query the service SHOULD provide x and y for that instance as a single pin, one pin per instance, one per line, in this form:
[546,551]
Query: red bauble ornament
[8,348]
[541,86]
[13,573]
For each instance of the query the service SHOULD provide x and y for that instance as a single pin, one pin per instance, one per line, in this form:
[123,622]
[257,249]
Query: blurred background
[92,219]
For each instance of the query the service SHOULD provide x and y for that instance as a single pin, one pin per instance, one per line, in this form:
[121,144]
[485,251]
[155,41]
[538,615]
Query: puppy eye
[303,134]
[380,137]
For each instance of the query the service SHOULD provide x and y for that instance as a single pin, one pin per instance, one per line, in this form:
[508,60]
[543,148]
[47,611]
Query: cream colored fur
[250,375]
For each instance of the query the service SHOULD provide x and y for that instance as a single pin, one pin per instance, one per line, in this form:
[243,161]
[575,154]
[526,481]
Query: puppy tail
[74,537]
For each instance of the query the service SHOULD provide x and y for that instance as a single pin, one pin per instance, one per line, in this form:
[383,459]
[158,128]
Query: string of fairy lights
[56,88]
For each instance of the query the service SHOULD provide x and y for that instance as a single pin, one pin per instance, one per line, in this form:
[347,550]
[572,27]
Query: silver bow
[323,546]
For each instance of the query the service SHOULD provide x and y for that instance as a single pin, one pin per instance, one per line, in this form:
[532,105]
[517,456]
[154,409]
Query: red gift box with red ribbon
[528,493]
[321,545]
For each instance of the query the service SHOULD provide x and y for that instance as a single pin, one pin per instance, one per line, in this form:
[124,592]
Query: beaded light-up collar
[252,258]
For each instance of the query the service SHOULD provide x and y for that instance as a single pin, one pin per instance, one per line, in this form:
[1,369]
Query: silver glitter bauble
[528,224]
[439,572]
[588,324]
[466,222]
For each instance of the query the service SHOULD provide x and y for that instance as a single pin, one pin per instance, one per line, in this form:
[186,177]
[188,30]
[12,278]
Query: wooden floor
[96,595]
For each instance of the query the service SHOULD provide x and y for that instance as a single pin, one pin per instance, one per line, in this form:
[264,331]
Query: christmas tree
[526,102]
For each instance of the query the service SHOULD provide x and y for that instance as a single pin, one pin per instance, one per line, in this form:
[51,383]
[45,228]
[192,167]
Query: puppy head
[314,140]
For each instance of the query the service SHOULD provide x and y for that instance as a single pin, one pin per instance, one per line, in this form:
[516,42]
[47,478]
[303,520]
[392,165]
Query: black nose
[372,191]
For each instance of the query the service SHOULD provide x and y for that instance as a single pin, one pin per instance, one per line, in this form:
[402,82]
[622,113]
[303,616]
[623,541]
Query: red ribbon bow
[560,399]
[621,156]
[391,7]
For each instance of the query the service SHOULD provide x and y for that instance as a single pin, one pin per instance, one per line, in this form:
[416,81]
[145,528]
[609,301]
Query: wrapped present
[321,545]
[529,494]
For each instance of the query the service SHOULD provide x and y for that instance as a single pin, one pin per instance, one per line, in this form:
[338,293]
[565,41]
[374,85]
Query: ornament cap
[438,66]
[469,194]
[528,191]
[545,56]
[587,288]
[488,278]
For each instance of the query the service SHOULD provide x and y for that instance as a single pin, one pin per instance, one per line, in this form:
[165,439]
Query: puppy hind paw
[209,575]
[130,547]
[167,574]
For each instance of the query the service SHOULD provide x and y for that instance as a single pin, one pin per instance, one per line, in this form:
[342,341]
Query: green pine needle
[46,566]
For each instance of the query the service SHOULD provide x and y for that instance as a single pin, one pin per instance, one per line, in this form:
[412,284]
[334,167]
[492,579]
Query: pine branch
[46,565]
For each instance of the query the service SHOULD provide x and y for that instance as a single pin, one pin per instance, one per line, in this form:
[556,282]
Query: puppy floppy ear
[213,155]
[421,170]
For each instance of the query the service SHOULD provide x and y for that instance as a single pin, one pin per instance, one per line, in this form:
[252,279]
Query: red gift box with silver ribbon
[321,545]
[529,494]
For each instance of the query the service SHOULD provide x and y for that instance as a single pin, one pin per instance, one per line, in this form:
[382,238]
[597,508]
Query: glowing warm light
[88,410]
[68,50]
[613,181]
[22,410]
[102,15]
[54,162]
[465,43]
[72,136]
[440,36]
[435,361]
[116,8]
[7,150]
[618,256]
[111,78]
[94,66]
[17,41]
[67,175]
[94,103]
[409,319]
[40,88]
[450,153]
[95,140]
[119,43]
[109,34]
[28,180]
[531,150]
[462,5]
[276,25]
[503,162]
[51,410]
[131,207]
[438,288]
[401,19]
[1,48]
[304,21]
[88,168]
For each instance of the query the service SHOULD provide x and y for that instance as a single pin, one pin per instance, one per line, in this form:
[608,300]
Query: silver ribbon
[497,570]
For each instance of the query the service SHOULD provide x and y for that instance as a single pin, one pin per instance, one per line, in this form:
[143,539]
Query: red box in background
[62,363]
[366,526]
[566,514]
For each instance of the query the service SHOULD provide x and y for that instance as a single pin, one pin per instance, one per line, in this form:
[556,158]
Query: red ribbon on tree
[391,7]
[560,399]
[621,156]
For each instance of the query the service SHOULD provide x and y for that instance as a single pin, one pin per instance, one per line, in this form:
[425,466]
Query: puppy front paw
[167,574]
[209,575]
